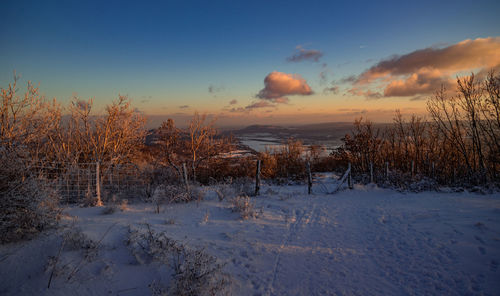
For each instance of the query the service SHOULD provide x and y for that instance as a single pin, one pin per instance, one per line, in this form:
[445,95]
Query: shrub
[195,272]
[27,203]
[243,205]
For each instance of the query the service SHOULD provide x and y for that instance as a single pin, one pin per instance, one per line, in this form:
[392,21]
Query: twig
[125,290]
[77,268]
[55,263]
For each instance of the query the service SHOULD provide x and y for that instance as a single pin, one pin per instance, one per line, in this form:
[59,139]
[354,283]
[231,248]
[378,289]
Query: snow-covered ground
[365,241]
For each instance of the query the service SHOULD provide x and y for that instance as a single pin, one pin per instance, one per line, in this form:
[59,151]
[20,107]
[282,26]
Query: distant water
[261,142]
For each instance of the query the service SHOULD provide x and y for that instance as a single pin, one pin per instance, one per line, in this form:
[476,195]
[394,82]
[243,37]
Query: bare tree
[26,119]
[202,144]
[171,145]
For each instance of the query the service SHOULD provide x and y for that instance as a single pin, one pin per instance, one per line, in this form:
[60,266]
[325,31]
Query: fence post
[309,178]
[371,172]
[111,179]
[387,170]
[412,169]
[433,170]
[257,178]
[78,183]
[98,184]
[185,177]
[349,177]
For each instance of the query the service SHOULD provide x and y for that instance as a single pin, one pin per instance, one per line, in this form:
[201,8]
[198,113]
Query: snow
[365,241]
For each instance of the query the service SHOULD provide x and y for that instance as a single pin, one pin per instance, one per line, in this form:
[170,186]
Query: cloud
[278,85]
[368,94]
[424,81]
[259,104]
[184,107]
[424,71]
[353,111]
[237,110]
[334,90]
[348,79]
[233,102]
[465,55]
[282,100]
[323,76]
[303,54]
[215,89]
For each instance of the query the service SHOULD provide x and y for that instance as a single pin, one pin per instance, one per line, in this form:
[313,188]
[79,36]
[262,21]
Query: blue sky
[167,54]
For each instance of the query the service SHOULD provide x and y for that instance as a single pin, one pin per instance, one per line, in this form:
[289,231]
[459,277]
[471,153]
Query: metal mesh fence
[77,182]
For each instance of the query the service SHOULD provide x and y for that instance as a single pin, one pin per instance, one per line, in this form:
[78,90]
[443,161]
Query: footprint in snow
[479,239]
[493,265]
[482,250]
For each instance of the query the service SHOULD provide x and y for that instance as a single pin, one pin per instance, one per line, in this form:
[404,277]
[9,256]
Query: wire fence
[86,181]
[77,182]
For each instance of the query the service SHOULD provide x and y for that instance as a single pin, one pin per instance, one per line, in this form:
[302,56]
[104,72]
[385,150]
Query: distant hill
[328,133]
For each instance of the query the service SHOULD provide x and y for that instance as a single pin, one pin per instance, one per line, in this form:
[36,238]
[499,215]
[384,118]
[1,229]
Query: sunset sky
[250,62]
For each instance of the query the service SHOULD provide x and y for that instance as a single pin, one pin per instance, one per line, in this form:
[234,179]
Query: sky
[249,62]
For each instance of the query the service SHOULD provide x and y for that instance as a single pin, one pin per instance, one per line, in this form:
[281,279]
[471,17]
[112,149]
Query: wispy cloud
[278,84]
[184,107]
[348,79]
[331,90]
[323,75]
[254,105]
[303,54]
[259,104]
[215,89]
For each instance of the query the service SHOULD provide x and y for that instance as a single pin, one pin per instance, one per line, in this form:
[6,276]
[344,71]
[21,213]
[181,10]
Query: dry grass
[195,271]
[242,204]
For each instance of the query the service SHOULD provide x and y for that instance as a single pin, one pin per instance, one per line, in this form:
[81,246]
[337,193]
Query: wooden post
[117,175]
[68,174]
[349,177]
[111,179]
[185,176]
[98,184]
[78,183]
[89,192]
[387,170]
[433,170]
[412,169]
[371,172]
[309,178]
[257,178]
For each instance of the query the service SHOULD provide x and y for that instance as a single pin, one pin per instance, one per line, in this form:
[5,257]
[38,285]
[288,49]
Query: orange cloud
[424,81]
[465,55]
[426,70]
[282,100]
[278,85]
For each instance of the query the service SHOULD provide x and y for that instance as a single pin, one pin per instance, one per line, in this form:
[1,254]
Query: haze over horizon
[250,62]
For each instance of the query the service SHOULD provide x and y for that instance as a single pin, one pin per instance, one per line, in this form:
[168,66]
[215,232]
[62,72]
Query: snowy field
[365,241]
